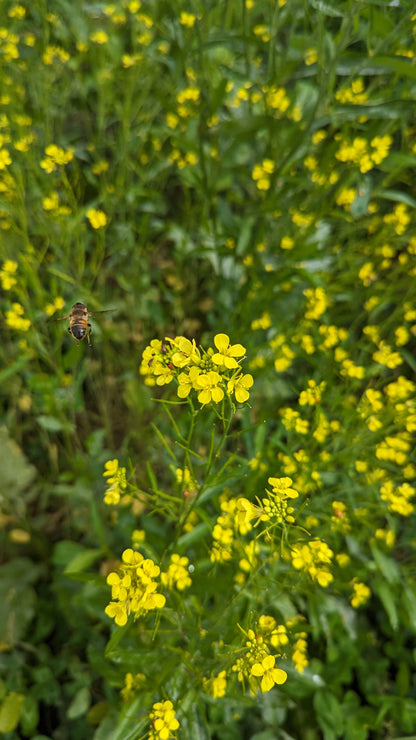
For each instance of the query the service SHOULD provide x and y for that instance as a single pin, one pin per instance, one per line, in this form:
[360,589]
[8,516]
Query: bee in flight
[79,326]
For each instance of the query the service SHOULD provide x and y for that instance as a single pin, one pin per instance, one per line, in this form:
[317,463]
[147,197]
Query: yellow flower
[99,37]
[210,390]
[187,19]
[97,218]
[240,387]
[268,673]
[227,352]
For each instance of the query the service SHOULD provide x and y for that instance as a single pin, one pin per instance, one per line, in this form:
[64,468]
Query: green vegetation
[207,516]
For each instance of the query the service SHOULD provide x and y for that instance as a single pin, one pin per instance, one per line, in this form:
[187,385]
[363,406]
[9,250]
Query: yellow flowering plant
[222,543]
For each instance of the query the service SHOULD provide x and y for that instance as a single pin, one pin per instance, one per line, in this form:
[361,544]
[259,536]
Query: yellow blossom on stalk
[311,56]
[314,557]
[299,655]
[264,322]
[133,588]
[187,382]
[99,37]
[293,420]
[317,302]
[268,673]
[398,499]
[57,305]
[54,54]
[339,517]
[386,356]
[240,387]
[216,686]
[186,352]
[14,318]
[209,388]
[354,94]
[312,395]
[132,684]
[187,19]
[262,172]
[163,721]
[225,357]
[5,159]
[116,482]
[177,573]
[399,219]
[97,218]
[7,274]
[55,157]
[361,594]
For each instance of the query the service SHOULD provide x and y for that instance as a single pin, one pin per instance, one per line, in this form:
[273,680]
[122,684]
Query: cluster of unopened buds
[212,374]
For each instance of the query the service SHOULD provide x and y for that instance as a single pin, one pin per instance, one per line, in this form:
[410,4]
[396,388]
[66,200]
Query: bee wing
[106,310]
[61,318]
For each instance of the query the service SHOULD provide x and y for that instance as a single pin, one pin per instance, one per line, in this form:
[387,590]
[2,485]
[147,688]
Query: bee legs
[88,333]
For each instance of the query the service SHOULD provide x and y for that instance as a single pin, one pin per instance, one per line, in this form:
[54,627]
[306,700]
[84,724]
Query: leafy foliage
[206,517]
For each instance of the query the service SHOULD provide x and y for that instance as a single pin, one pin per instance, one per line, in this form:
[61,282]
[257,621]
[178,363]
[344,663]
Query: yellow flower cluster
[211,374]
[314,557]
[257,665]
[164,722]
[361,594]
[55,157]
[116,482]
[398,499]
[177,573]
[272,509]
[354,94]
[262,173]
[133,588]
[14,318]
[7,272]
[97,218]
[313,394]
[364,154]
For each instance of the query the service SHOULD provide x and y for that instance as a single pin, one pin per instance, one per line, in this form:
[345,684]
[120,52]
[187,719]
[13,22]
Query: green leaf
[17,598]
[15,471]
[79,704]
[10,711]
[387,598]
[329,713]
[387,566]
[83,560]
[327,8]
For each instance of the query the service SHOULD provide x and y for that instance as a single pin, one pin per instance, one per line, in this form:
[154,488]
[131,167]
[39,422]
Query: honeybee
[79,326]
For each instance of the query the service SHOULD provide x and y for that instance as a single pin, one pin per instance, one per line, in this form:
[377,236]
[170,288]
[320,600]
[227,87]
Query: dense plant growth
[207,516]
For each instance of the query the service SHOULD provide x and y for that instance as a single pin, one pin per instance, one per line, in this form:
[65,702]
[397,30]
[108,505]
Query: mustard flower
[133,588]
[116,482]
[6,274]
[99,37]
[97,218]
[55,157]
[216,686]
[361,594]
[187,19]
[225,357]
[163,720]
[5,159]
[177,573]
[268,673]
[312,395]
[299,655]
[14,318]
[240,387]
[314,557]
[209,388]
[186,352]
